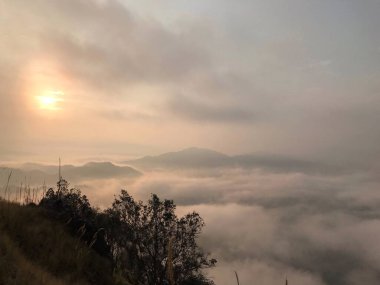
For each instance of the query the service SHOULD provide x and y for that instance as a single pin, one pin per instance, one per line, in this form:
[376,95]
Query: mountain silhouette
[201,158]
[36,174]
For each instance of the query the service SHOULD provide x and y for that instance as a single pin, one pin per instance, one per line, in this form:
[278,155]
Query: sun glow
[50,100]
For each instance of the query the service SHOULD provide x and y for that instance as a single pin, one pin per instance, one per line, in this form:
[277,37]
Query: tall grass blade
[237,278]
[7,185]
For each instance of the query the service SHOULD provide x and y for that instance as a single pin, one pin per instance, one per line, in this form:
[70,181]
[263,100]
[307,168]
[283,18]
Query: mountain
[36,174]
[98,170]
[187,158]
[199,158]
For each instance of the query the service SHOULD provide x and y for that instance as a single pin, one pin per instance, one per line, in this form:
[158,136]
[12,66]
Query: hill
[36,250]
[64,240]
[36,174]
[187,158]
[200,158]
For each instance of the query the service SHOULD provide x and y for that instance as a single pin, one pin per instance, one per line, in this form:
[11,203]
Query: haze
[280,97]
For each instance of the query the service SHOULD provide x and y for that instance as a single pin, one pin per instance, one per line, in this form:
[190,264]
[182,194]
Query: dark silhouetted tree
[141,236]
[74,209]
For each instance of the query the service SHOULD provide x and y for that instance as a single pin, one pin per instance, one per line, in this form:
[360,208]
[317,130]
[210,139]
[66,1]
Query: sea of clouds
[310,228]
[267,224]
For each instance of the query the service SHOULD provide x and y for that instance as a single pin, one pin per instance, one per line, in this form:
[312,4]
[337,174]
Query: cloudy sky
[129,78]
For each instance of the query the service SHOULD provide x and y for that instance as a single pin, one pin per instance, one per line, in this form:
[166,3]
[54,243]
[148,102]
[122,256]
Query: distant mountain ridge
[32,173]
[190,157]
[205,158]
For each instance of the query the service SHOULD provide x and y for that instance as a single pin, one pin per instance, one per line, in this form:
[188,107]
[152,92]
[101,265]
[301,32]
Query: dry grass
[15,268]
[38,250]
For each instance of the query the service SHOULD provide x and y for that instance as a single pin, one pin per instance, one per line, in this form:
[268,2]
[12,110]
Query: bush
[155,244]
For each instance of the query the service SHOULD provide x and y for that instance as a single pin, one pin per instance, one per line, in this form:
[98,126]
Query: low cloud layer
[319,229]
[313,229]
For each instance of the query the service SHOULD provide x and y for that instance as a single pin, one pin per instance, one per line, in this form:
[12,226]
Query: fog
[266,225]
[312,229]
[293,85]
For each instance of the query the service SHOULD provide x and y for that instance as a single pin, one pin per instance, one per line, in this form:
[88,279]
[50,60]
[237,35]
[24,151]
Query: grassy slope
[37,250]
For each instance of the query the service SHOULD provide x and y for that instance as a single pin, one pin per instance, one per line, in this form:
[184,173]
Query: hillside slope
[37,250]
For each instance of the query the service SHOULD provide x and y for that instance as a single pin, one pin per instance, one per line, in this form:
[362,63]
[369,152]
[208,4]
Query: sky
[112,78]
[296,83]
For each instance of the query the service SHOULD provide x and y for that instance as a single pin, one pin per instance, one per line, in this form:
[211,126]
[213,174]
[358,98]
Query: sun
[50,100]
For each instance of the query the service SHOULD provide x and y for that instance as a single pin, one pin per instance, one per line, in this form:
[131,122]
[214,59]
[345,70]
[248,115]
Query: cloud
[123,69]
[313,228]
[58,45]
[124,54]
[308,227]
[190,109]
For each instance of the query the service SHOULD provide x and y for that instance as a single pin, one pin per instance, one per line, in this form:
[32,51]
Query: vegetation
[143,235]
[63,240]
[35,249]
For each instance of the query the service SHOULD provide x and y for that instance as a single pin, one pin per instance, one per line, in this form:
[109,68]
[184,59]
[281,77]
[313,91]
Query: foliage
[73,208]
[131,243]
[37,250]
[143,234]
